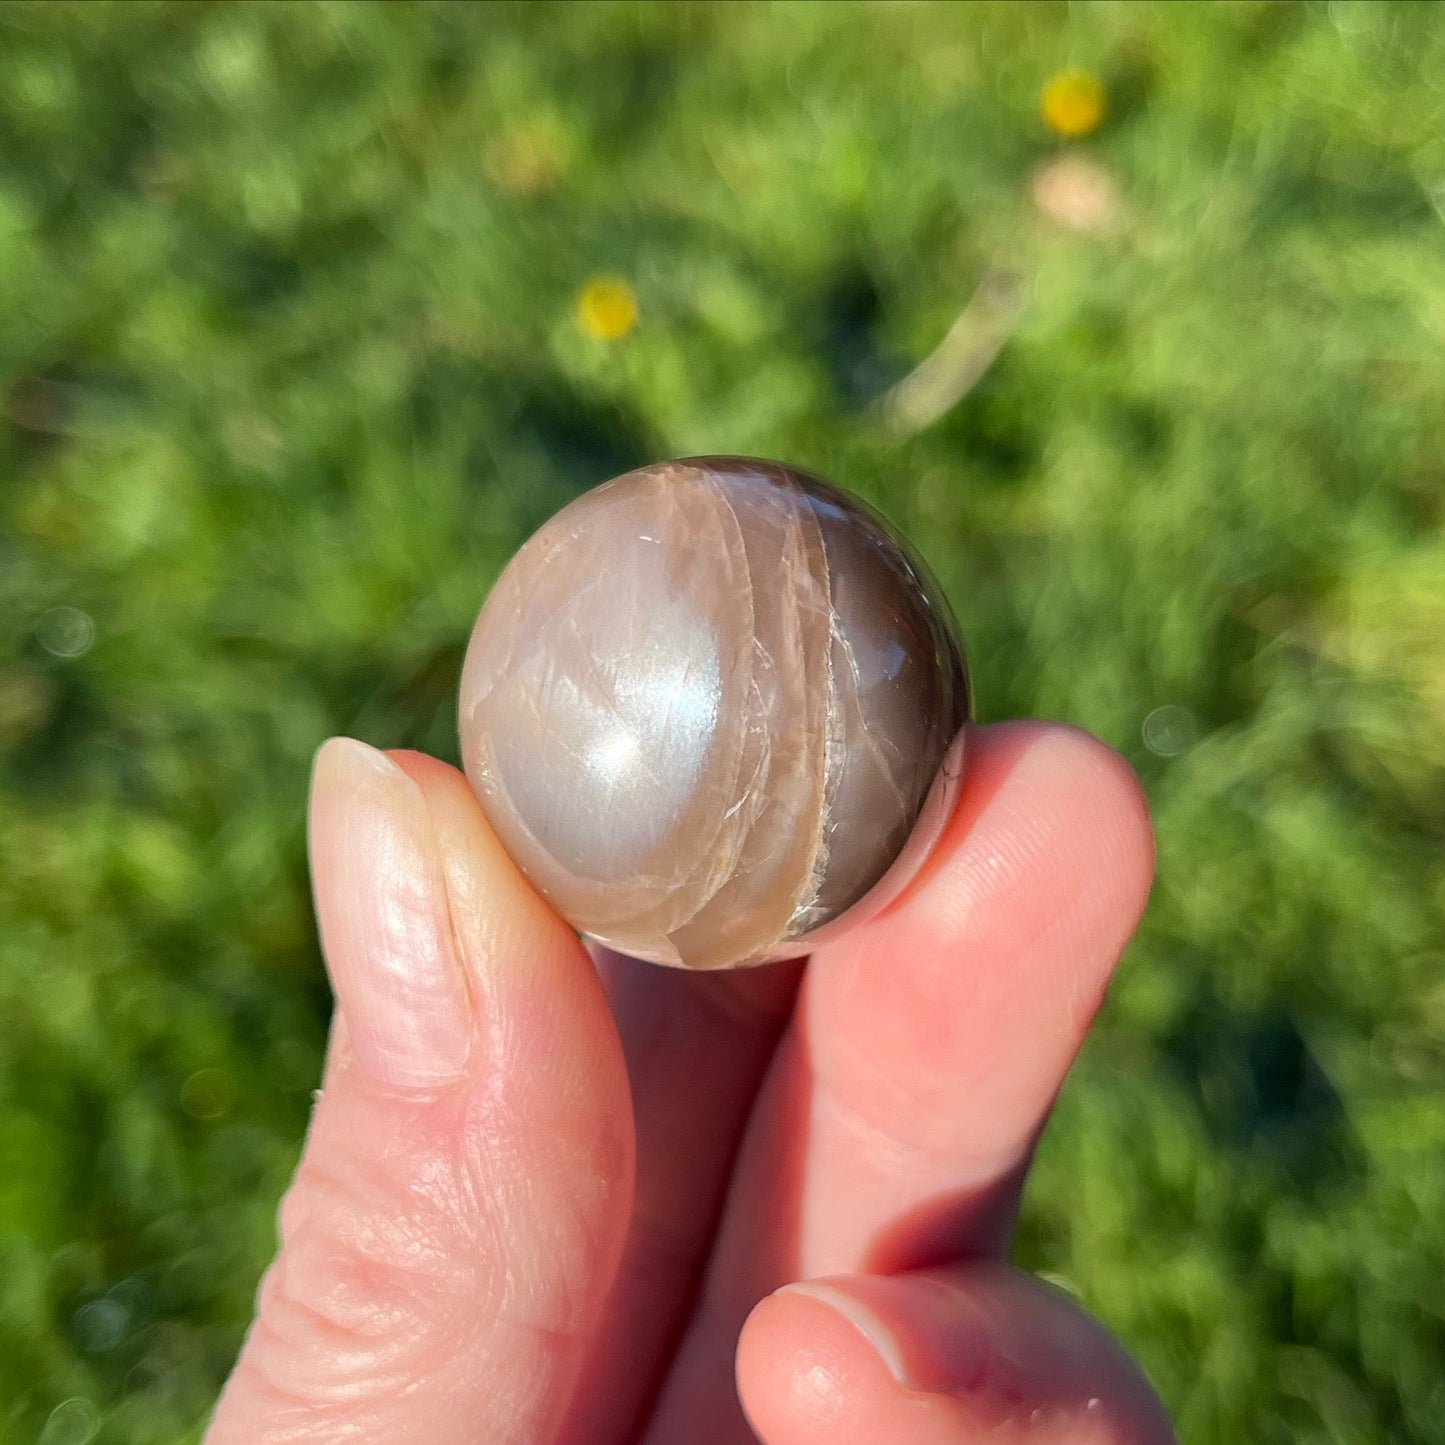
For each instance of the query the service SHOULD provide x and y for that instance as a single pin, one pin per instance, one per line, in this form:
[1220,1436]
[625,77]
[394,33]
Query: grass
[291,361]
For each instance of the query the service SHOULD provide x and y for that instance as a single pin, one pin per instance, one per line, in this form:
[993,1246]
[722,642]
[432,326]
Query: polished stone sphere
[713,710]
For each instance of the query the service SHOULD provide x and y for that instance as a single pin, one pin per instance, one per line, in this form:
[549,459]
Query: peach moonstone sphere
[711,710]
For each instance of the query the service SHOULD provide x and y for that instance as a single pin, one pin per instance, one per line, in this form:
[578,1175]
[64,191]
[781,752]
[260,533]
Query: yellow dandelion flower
[1073,103]
[528,159]
[606,308]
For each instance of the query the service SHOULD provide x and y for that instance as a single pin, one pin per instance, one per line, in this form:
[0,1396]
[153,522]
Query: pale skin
[552,1198]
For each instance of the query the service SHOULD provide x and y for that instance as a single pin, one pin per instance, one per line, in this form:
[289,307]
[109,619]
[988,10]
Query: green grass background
[289,366]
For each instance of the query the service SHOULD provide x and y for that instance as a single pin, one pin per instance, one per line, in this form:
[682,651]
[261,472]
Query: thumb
[458,1211]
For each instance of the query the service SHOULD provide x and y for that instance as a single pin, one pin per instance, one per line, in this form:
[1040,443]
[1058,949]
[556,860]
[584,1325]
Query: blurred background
[1132,316]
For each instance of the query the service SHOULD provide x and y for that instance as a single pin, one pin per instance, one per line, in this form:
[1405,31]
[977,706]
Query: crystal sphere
[714,710]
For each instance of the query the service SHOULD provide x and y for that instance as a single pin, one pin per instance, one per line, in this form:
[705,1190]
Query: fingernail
[929,1337]
[381,902]
[868,1324]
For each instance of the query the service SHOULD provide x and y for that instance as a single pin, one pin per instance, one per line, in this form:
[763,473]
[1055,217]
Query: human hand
[544,1196]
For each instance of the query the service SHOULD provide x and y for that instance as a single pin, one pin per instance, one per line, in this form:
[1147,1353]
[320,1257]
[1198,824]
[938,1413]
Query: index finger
[902,1107]
[937,1041]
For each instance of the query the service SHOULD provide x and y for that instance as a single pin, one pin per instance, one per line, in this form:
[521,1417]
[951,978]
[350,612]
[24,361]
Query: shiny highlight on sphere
[713,710]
